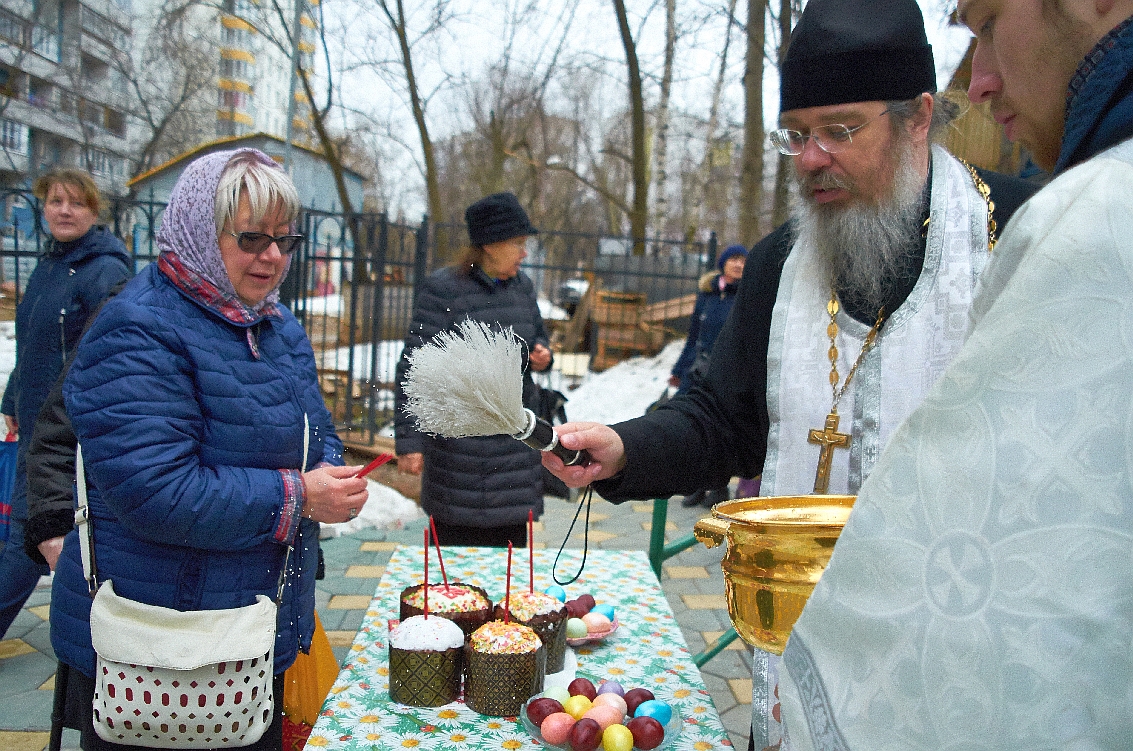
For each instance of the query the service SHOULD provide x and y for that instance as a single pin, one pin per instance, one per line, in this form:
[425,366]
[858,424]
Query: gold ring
[353,513]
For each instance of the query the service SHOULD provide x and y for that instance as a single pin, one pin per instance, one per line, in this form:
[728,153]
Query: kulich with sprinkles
[466,605]
[506,663]
[547,617]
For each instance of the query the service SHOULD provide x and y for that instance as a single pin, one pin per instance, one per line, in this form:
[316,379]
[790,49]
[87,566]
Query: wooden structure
[621,332]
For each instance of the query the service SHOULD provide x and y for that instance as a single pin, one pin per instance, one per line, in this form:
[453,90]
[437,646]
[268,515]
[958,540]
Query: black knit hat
[846,51]
[497,217]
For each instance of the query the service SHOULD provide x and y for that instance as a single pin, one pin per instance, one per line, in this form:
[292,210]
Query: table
[647,650]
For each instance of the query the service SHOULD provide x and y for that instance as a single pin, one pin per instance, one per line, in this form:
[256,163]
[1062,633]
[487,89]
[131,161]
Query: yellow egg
[617,738]
[576,706]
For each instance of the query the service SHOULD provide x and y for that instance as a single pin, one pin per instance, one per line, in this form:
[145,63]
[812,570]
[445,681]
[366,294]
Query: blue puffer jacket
[486,481]
[192,432]
[68,283]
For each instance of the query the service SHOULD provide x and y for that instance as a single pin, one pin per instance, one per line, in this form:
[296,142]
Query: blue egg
[606,610]
[557,592]
[658,710]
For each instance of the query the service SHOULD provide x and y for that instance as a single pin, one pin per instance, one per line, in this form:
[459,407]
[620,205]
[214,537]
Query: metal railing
[352,285]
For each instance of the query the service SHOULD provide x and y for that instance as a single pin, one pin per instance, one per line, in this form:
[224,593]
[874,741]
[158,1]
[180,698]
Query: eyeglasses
[830,138]
[257,242]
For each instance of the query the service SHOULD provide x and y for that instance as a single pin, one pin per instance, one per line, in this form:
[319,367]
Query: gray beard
[866,246]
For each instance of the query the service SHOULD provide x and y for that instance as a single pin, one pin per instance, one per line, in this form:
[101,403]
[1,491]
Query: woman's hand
[540,358]
[50,550]
[334,494]
[411,464]
[607,453]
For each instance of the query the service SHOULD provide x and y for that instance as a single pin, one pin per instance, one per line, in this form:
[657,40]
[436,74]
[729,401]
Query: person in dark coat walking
[713,304]
[478,489]
[82,262]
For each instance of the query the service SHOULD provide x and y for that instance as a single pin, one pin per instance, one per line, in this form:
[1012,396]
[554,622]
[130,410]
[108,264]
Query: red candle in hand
[507,587]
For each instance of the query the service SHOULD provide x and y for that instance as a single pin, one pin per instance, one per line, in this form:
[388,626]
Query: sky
[541,31]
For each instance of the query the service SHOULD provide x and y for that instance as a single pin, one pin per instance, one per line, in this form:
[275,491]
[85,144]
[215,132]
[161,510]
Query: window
[12,135]
[102,162]
[236,38]
[39,93]
[233,100]
[233,68]
[116,122]
[9,82]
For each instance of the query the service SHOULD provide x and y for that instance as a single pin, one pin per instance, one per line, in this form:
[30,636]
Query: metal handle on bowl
[710,531]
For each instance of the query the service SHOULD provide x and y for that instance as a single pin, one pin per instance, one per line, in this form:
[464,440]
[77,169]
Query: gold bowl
[778,547]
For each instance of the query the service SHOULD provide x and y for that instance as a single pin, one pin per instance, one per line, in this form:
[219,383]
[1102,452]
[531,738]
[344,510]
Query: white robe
[981,595]
[914,347]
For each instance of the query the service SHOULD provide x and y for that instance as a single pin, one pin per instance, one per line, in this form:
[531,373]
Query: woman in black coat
[480,489]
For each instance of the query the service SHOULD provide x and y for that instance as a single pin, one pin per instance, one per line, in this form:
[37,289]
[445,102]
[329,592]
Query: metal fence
[351,285]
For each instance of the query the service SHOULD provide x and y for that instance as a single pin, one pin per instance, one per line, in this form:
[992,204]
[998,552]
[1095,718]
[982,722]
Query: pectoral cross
[829,438]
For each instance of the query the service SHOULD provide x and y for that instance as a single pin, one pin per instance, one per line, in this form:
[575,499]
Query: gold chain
[985,193]
[832,309]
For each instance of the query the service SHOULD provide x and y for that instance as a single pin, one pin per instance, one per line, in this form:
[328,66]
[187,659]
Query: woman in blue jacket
[80,265]
[189,395]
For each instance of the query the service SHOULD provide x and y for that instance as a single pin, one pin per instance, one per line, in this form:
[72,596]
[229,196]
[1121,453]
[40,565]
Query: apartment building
[63,98]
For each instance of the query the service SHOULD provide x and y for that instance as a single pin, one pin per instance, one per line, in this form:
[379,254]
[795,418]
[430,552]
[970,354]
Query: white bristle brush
[469,382]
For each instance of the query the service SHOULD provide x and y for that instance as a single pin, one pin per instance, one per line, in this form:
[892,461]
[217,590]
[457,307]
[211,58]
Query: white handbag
[171,679]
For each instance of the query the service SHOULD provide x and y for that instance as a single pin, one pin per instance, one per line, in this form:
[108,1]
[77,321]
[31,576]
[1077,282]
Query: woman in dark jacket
[189,396]
[82,262]
[478,489]
[713,304]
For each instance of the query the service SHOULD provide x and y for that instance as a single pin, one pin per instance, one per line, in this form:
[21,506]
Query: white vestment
[981,595]
[916,344]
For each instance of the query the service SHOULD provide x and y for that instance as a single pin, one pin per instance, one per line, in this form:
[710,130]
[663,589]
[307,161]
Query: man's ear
[921,121]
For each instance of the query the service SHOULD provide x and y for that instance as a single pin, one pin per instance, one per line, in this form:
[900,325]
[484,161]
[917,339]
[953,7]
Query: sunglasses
[257,242]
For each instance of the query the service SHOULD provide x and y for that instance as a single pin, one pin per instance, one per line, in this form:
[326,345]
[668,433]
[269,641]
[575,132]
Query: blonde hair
[76,178]
[267,187]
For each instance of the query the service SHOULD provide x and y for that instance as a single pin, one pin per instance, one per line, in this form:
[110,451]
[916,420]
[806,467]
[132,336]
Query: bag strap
[86,528]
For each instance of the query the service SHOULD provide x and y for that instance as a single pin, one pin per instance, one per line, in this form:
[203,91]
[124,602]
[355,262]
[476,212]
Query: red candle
[530,550]
[507,587]
[426,589]
[379,460]
[437,542]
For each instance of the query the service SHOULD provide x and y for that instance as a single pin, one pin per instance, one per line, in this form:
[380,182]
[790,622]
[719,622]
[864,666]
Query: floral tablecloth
[647,650]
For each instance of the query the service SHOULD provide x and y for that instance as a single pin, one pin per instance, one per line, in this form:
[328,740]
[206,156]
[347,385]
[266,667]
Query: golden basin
[778,547]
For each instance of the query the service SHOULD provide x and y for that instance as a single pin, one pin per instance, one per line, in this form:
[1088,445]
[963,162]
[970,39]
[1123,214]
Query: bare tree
[661,137]
[639,212]
[751,171]
[788,9]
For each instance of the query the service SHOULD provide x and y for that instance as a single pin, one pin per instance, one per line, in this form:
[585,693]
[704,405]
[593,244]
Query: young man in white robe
[981,595]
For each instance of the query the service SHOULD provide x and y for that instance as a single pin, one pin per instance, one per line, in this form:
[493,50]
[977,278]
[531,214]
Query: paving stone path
[692,581]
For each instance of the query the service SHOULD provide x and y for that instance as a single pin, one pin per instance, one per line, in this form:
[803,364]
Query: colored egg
[556,728]
[617,738]
[612,700]
[558,693]
[611,687]
[557,592]
[576,628]
[606,610]
[576,706]
[658,710]
[604,715]
[595,622]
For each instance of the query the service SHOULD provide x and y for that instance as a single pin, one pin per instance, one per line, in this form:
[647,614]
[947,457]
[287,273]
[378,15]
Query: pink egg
[604,715]
[611,700]
[596,623]
[556,728]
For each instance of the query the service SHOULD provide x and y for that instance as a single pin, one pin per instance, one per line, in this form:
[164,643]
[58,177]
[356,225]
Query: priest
[981,595]
[856,305]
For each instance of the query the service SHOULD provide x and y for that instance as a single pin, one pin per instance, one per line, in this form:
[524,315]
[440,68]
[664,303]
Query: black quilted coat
[488,481]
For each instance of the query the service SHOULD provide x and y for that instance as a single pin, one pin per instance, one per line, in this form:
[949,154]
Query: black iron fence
[351,285]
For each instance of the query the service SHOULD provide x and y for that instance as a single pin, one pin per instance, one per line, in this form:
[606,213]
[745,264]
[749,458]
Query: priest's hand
[607,454]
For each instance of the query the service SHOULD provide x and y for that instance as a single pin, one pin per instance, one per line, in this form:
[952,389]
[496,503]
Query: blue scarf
[1099,105]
